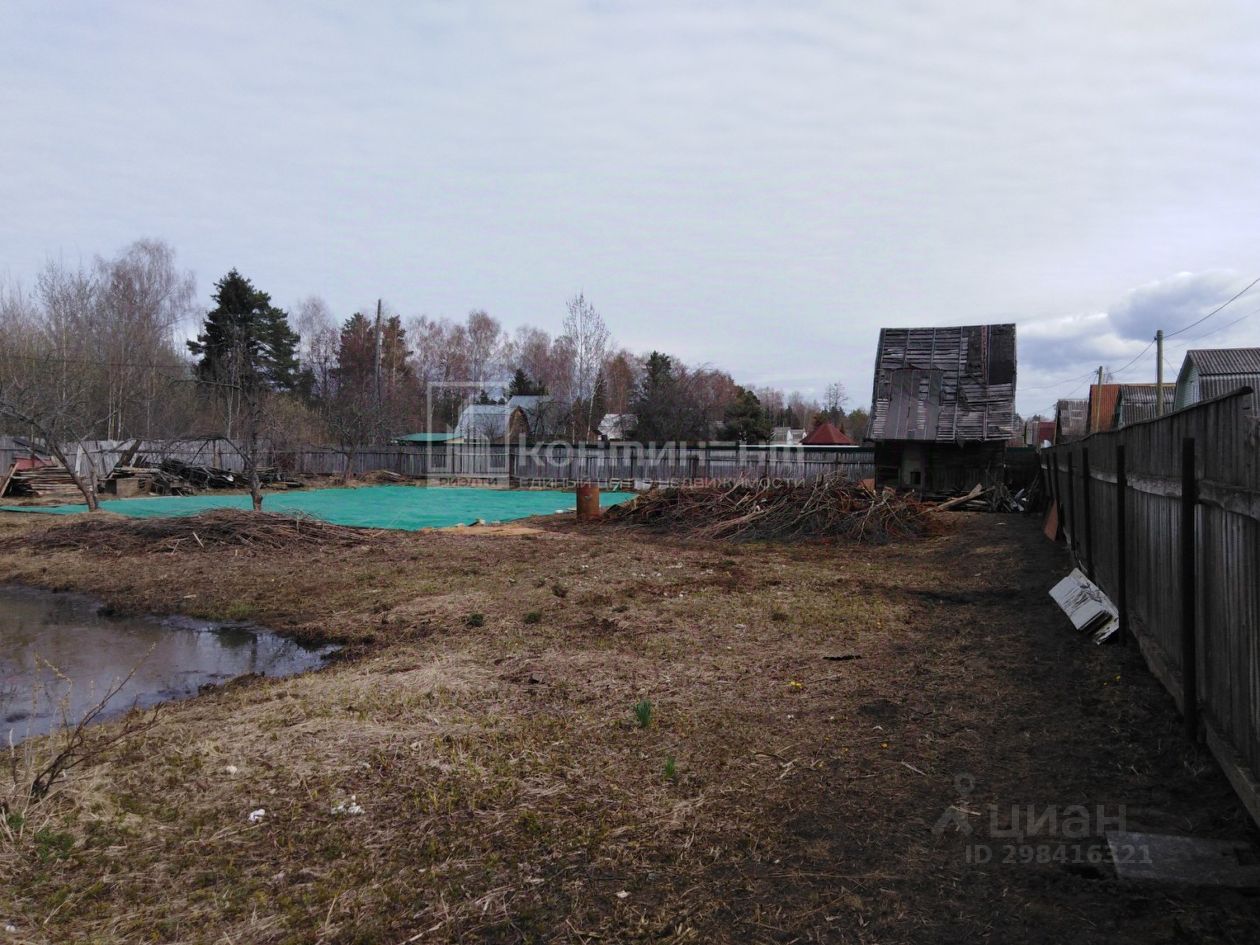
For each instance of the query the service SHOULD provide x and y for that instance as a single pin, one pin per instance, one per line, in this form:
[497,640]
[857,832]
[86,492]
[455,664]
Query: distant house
[1210,372]
[827,434]
[520,416]
[545,415]
[943,406]
[494,422]
[786,436]
[1038,433]
[1112,406]
[617,426]
[1071,420]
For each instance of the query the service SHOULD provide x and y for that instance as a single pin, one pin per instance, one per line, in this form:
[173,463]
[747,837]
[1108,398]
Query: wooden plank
[1189,548]
[8,478]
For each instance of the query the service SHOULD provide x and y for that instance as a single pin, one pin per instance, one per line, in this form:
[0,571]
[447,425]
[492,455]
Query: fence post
[1087,508]
[1189,660]
[1071,516]
[1122,556]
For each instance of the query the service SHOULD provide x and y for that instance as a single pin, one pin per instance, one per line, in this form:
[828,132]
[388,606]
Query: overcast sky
[757,186]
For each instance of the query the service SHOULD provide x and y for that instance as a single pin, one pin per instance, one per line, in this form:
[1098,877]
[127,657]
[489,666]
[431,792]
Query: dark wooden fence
[605,464]
[1164,516]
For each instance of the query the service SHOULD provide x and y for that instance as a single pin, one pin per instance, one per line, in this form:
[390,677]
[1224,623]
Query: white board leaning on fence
[1087,606]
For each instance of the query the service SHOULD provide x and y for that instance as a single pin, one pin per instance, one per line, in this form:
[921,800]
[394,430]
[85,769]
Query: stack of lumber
[43,482]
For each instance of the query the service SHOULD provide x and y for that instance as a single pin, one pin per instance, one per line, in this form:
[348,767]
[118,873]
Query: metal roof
[426,438]
[945,385]
[1225,360]
[1115,405]
[827,434]
[1138,402]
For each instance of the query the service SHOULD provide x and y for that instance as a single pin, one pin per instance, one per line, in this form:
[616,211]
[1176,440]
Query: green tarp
[404,507]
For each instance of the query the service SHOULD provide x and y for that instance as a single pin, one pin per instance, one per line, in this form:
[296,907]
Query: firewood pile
[829,507]
[206,531]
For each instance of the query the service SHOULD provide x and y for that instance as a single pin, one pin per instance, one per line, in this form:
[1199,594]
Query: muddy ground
[815,711]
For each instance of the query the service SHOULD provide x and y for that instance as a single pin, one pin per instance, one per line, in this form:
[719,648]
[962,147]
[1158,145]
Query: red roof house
[827,434]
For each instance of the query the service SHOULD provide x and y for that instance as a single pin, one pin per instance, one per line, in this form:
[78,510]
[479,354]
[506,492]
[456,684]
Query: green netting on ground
[404,507]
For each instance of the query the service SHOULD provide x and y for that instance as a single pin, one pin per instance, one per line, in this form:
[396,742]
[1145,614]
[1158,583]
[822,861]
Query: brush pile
[207,531]
[830,507]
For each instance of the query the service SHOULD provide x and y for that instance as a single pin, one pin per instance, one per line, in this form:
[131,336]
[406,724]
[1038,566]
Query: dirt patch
[813,712]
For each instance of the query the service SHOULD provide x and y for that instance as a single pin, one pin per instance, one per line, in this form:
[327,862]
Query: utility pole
[1095,404]
[1159,373]
[378,354]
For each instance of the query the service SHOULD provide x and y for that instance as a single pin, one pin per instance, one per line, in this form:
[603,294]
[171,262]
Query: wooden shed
[943,406]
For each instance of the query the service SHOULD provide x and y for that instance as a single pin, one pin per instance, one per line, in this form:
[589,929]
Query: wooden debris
[828,507]
[260,531]
[43,482]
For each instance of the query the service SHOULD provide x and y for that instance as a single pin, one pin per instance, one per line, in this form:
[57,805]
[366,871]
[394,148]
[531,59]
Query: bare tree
[485,343]
[142,300]
[833,402]
[45,377]
[588,337]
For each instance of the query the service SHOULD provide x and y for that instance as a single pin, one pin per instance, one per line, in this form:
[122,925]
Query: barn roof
[945,385]
[827,434]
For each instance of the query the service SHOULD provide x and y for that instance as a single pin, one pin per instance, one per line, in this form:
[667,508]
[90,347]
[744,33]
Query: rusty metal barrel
[587,502]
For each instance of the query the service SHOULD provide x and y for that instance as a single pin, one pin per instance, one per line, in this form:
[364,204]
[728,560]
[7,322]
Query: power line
[1200,321]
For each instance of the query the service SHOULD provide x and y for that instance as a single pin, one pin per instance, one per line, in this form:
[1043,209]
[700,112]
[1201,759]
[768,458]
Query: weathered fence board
[1191,553]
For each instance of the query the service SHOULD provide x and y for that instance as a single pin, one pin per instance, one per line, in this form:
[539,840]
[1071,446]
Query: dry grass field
[592,735]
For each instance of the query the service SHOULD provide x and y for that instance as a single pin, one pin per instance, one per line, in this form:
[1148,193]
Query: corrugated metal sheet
[1225,360]
[945,385]
[1105,404]
[1137,402]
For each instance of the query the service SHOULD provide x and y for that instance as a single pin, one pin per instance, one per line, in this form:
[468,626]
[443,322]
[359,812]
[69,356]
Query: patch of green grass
[643,712]
[671,769]
[778,615]
[534,616]
[52,845]
[475,620]
[239,610]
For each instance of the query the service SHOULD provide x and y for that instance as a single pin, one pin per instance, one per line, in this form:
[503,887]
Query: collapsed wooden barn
[943,407]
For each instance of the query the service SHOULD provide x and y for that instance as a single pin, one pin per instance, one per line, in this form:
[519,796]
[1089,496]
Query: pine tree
[244,331]
[746,419]
[522,385]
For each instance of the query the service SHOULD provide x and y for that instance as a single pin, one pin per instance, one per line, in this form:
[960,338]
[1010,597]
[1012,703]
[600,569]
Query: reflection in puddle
[59,657]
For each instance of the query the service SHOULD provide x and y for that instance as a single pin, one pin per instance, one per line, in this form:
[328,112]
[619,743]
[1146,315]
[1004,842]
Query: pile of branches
[830,507]
[206,531]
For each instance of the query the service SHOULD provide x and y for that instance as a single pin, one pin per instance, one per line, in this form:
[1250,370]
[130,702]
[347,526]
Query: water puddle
[59,656]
